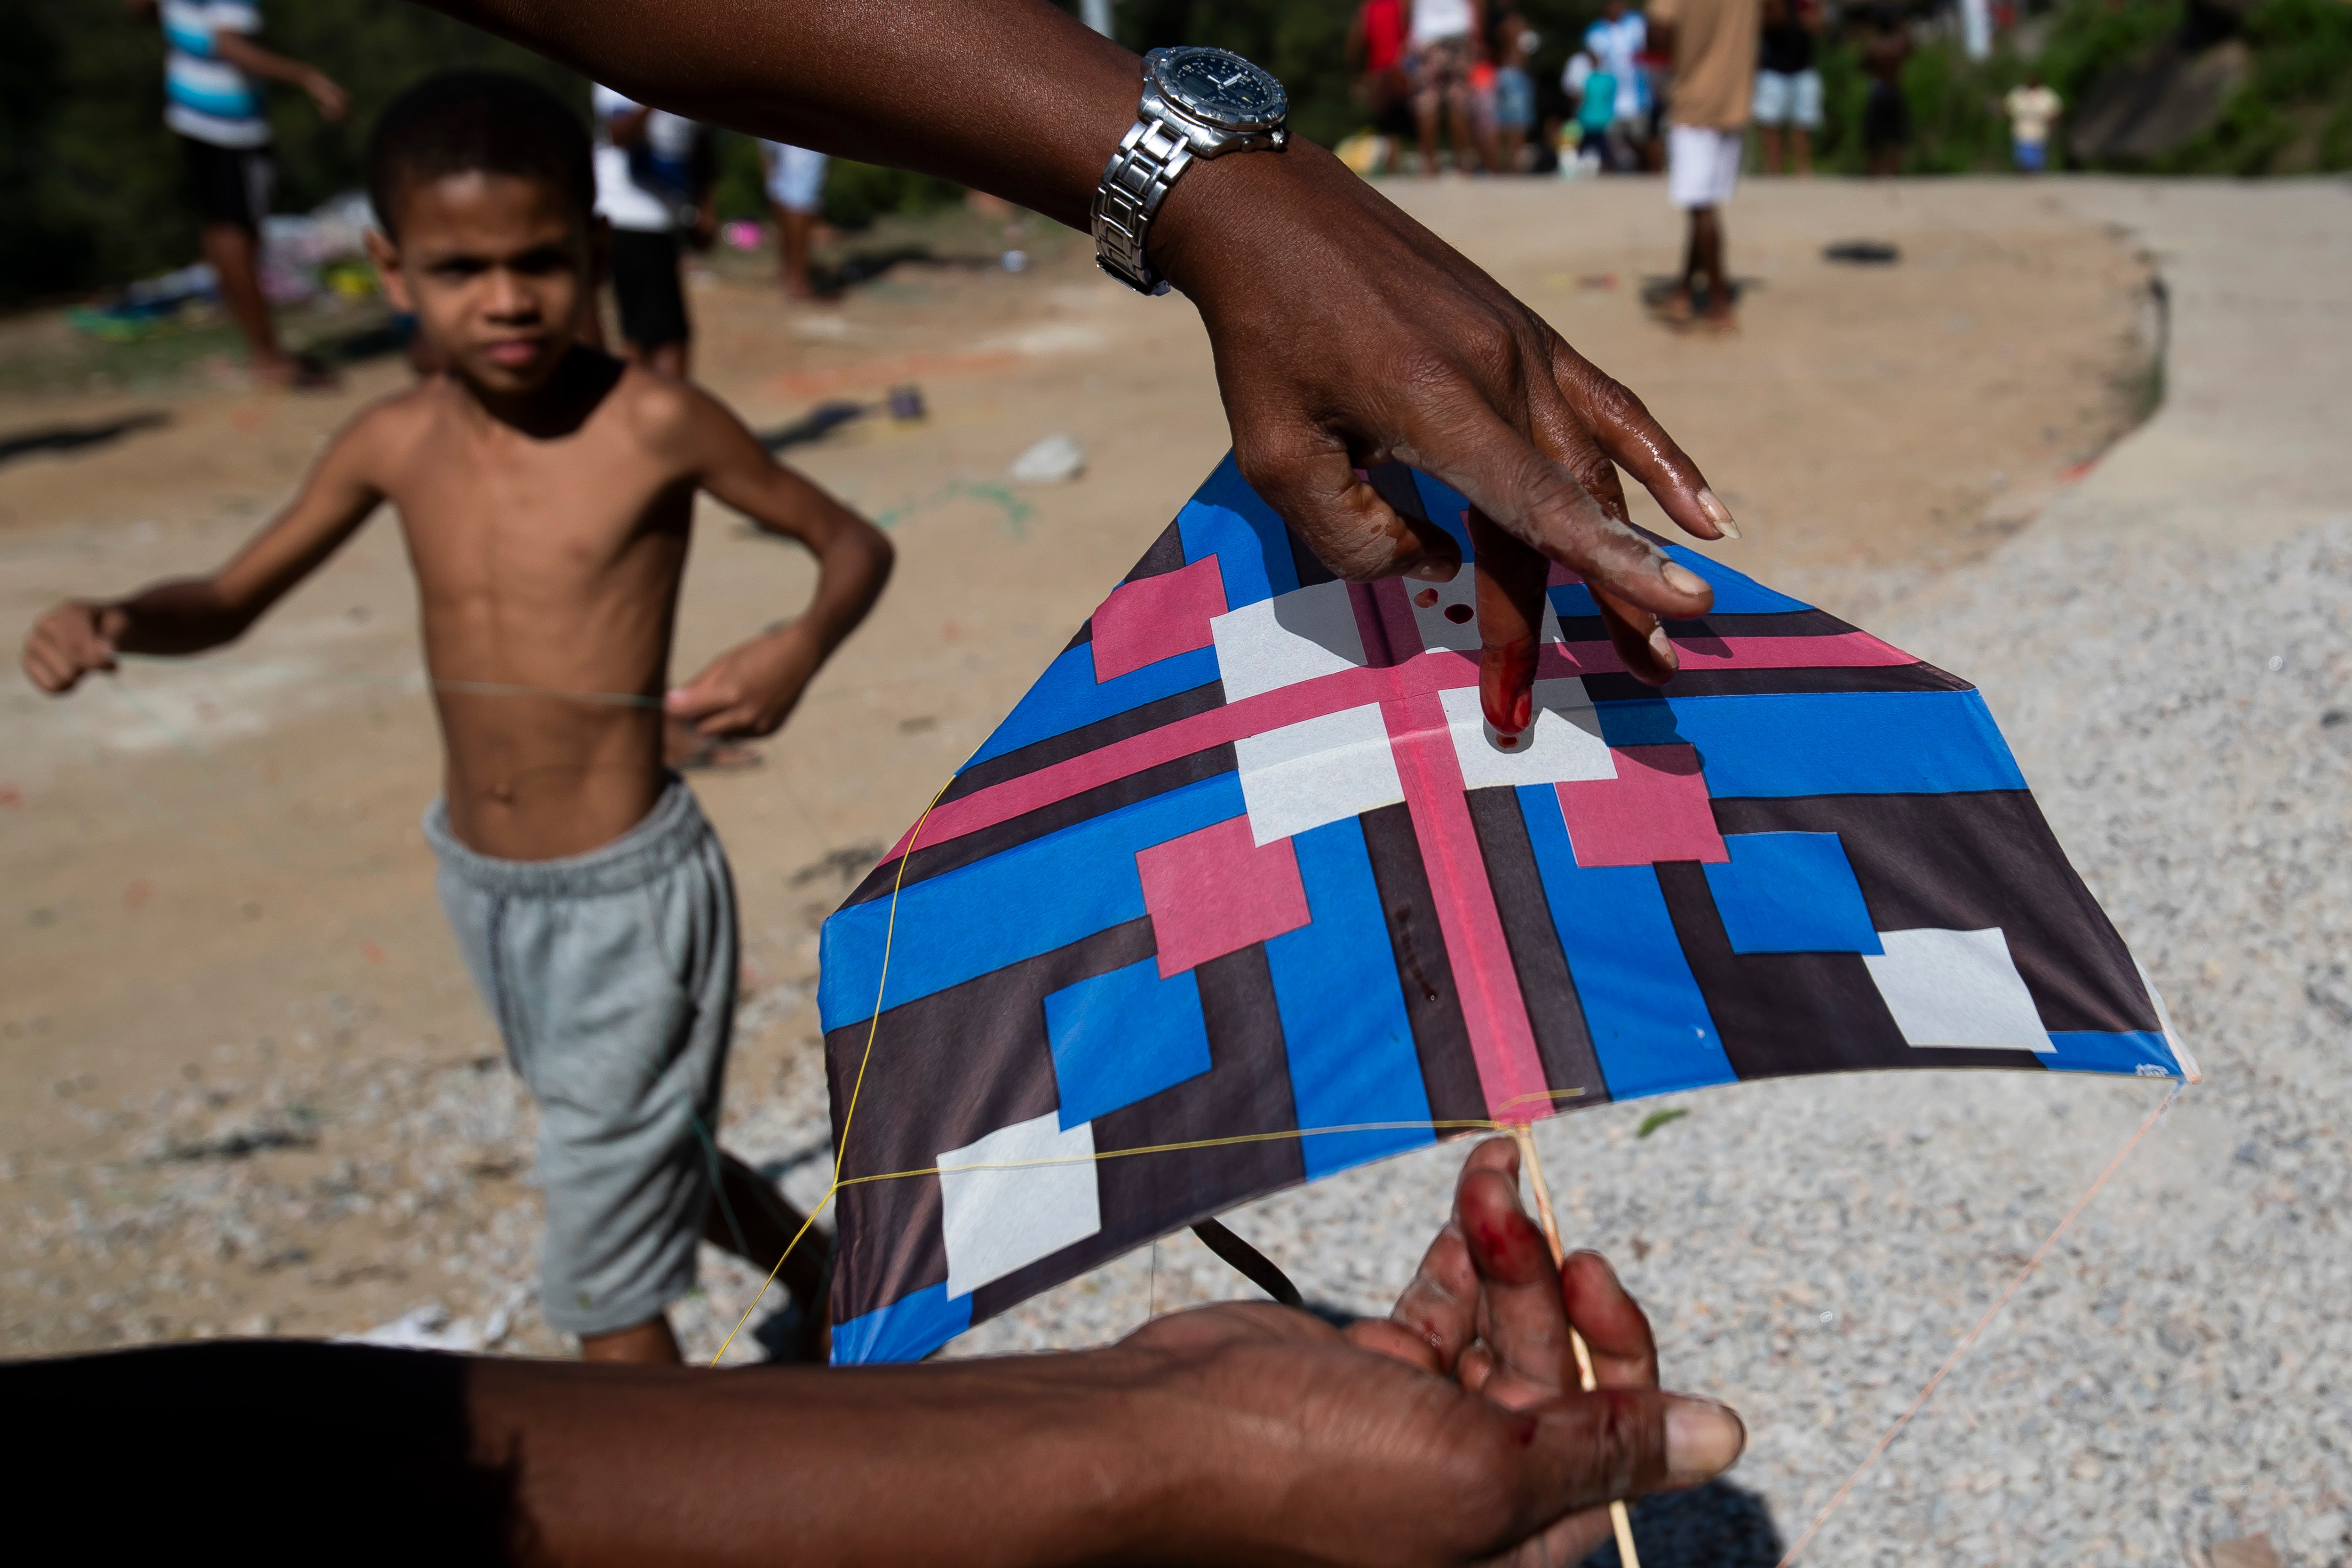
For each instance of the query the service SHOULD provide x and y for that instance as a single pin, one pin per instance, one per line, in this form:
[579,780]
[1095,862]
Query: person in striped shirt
[212,70]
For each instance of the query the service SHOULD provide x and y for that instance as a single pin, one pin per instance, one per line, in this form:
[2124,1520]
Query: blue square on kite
[1124,1037]
[1790,892]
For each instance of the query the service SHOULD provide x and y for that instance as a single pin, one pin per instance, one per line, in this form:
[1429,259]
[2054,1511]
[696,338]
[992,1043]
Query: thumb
[1621,1443]
[694,700]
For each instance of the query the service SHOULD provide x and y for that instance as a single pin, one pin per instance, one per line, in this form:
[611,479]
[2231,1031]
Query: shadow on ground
[72,438]
[1714,1526]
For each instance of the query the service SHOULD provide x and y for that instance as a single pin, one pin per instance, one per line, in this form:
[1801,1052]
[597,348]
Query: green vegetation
[1657,1119]
[90,181]
[2292,113]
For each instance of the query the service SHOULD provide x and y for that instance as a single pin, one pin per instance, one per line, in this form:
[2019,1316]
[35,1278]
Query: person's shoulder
[661,415]
[379,438]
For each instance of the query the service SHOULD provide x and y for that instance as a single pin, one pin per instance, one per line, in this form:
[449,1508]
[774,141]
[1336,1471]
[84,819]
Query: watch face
[1221,87]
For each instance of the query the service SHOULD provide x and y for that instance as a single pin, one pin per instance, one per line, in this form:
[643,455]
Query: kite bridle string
[873,1027]
[1969,1342]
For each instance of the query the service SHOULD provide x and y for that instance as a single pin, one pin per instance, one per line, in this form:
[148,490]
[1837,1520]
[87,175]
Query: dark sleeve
[257,1451]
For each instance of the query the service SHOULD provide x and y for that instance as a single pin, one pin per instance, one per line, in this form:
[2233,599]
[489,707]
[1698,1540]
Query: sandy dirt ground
[244,1084]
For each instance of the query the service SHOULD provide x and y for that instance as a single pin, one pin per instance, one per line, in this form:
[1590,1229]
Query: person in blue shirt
[213,72]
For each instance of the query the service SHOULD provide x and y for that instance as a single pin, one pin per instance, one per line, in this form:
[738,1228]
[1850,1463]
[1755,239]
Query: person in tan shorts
[1713,44]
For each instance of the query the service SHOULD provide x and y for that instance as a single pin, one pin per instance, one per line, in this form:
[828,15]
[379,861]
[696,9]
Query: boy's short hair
[478,122]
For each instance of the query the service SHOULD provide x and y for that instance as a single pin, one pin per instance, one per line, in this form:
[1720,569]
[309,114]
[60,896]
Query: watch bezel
[1178,98]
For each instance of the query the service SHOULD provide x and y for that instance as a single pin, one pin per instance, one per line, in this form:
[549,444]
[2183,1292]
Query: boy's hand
[750,689]
[334,102]
[68,643]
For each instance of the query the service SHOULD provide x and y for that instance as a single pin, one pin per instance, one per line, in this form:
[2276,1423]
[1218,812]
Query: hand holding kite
[1347,335]
[1511,1460]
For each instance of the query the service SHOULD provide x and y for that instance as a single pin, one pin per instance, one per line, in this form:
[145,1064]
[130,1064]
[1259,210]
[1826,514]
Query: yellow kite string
[841,1145]
[873,1027]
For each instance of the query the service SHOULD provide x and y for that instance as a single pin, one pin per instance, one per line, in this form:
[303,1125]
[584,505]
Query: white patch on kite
[1563,745]
[1321,770]
[1291,638]
[1000,1219]
[1450,618]
[2186,1063]
[1957,988]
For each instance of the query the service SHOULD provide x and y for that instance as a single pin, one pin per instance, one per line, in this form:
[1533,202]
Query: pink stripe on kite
[1417,676]
[1502,1042]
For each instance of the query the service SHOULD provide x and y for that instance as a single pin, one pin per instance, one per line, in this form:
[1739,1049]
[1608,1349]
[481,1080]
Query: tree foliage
[90,182]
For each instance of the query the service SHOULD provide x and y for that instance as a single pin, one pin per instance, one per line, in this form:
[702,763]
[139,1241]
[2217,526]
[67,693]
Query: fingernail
[1434,569]
[1718,513]
[1703,1438]
[1682,579]
[1664,647]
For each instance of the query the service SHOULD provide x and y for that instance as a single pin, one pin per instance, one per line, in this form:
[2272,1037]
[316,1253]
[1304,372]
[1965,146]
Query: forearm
[254,60]
[852,571]
[1035,1461]
[181,614]
[1029,105]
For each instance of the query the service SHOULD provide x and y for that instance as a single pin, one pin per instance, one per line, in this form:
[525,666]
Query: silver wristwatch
[1197,103]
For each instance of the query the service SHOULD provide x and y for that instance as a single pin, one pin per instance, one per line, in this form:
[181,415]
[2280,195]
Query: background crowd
[92,192]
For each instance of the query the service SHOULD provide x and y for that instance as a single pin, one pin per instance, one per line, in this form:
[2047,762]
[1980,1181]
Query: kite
[1245,892]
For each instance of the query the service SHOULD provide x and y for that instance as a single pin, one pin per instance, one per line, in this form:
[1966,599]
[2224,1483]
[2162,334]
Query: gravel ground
[2172,1379]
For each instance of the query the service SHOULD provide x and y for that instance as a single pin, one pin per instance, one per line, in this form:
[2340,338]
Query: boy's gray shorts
[612,976]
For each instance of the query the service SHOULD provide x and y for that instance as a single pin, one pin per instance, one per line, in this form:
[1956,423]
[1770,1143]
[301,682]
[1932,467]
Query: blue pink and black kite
[1247,864]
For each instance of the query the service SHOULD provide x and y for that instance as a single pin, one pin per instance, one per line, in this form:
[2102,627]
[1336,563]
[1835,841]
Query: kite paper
[1244,892]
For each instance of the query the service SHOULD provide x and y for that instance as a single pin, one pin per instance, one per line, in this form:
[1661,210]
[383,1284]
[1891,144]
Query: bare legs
[793,230]
[1467,144]
[235,252]
[650,1343]
[1800,144]
[750,1219]
[1702,263]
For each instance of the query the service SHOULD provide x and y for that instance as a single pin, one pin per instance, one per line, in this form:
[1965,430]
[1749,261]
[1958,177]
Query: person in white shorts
[796,190]
[1787,85]
[1713,46]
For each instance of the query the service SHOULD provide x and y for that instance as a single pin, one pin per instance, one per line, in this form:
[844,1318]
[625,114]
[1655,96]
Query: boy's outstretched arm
[751,687]
[188,615]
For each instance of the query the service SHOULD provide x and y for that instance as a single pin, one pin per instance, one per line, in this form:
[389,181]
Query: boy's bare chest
[562,517]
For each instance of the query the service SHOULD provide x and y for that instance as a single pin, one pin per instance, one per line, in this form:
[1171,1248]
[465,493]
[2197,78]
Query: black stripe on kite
[1441,1037]
[1966,862]
[1001,1074]
[1087,738]
[1615,687]
[1779,624]
[1555,1013]
[1783,1014]
[1166,555]
[1247,1089]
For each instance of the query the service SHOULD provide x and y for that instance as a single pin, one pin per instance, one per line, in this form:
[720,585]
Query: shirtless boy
[546,492]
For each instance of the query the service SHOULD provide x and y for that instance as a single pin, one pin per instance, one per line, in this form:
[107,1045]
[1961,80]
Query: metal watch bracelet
[1136,180]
